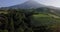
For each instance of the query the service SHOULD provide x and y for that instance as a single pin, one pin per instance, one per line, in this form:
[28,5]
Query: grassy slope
[46,19]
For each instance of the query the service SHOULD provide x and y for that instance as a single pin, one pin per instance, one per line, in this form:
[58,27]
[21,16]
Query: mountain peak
[30,0]
[28,4]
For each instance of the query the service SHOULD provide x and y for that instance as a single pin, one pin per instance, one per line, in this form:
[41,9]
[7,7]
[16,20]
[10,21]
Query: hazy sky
[55,3]
[4,3]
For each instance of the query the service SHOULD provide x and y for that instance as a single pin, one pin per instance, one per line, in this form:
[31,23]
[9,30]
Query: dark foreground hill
[12,20]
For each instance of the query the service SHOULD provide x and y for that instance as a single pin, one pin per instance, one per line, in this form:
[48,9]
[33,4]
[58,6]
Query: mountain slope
[28,4]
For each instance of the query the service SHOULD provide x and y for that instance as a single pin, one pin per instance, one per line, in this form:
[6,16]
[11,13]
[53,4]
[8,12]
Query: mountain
[33,4]
[28,4]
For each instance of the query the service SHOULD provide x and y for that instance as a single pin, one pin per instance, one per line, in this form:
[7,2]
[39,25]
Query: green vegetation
[28,20]
[41,15]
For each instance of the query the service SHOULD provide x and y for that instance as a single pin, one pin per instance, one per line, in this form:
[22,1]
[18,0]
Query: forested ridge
[28,20]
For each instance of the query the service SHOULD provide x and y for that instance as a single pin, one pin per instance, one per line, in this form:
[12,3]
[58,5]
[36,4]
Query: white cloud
[55,3]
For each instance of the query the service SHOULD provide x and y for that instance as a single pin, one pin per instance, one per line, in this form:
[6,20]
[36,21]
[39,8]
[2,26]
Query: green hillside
[28,20]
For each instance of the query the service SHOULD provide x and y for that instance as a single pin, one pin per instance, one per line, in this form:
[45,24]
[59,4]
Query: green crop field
[41,15]
[45,19]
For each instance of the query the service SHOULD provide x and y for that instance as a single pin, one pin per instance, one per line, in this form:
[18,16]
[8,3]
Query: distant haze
[6,3]
[55,3]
